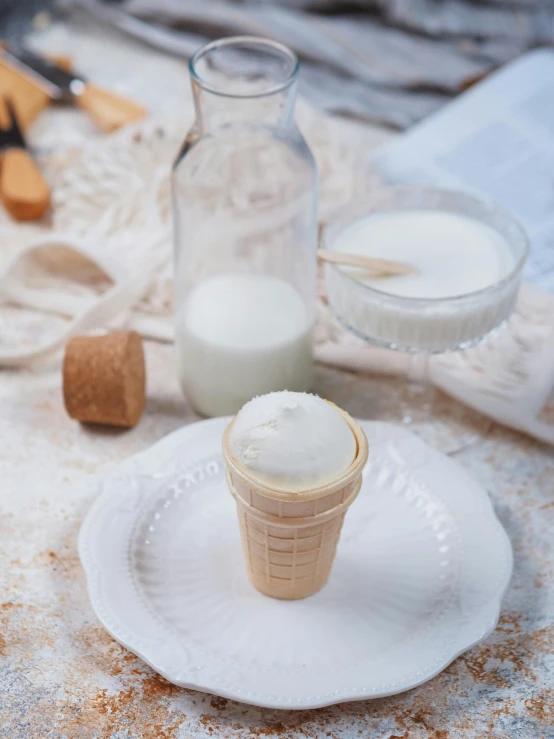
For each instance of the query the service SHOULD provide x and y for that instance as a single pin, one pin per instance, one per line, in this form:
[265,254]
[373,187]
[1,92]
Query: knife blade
[57,82]
[107,109]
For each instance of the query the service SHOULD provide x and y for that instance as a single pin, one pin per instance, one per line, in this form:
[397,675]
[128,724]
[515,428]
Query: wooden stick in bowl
[381,267]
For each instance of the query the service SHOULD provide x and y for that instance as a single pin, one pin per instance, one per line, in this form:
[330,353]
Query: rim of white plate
[163,657]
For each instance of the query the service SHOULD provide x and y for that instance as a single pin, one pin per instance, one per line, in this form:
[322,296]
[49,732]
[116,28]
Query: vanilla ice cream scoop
[292,441]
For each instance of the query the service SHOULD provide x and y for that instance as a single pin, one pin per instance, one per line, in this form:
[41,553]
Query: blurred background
[386,61]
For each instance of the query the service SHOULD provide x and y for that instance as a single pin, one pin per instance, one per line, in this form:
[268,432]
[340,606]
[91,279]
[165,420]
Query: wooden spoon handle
[380,266]
[23,189]
[108,110]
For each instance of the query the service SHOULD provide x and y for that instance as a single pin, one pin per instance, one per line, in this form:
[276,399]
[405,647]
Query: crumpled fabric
[392,61]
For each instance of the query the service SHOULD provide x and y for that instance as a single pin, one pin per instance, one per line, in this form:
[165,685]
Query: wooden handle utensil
[381,267]
[23,190]
[108,110]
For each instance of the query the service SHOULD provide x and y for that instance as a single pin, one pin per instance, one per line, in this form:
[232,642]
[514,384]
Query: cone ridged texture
[290,539]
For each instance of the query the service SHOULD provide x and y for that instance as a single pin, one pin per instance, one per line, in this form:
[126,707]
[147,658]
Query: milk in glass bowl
[468,256]
[468,253]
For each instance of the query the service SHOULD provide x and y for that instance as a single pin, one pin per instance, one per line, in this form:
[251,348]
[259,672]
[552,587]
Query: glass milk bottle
[244,198]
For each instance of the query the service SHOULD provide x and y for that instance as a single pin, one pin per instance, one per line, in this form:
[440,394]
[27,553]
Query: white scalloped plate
[421,569]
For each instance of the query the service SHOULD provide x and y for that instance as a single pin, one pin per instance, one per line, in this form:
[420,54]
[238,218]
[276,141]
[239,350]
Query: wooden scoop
[381,267]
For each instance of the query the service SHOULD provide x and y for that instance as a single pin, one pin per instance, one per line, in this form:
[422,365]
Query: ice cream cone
[290,538]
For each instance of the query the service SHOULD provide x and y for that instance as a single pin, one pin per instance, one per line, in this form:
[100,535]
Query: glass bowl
[424,326]
[430,325]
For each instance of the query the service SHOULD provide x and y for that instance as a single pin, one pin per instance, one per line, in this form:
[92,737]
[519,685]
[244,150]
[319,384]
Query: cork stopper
[104,379]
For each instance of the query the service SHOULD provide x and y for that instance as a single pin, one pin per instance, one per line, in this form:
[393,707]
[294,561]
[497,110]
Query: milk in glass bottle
[244,198]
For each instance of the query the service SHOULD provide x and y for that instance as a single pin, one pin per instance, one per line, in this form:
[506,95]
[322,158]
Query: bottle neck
[244,80]
[214,110]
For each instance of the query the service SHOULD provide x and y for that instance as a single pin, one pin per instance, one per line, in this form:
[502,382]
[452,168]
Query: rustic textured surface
[62,676]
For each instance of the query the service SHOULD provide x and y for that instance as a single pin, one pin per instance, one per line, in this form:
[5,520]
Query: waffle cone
[290,538]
